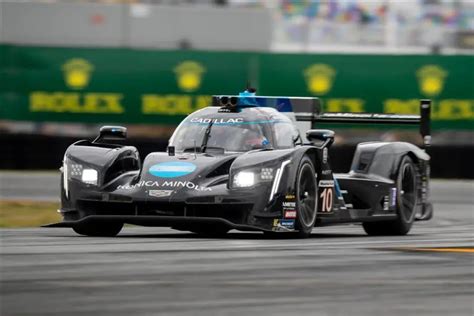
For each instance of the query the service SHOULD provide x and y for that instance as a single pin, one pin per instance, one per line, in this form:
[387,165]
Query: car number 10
[326,199]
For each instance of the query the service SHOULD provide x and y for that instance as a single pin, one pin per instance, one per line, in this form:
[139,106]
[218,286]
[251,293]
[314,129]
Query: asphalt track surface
[339,271]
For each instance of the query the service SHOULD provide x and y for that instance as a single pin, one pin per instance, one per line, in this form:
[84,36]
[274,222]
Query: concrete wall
[138,25]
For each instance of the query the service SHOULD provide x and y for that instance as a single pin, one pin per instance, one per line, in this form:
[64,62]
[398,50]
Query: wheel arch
[383,158]
[314,155]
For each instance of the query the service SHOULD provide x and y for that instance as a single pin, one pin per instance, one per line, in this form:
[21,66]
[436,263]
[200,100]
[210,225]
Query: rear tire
[406,204]
[98,229]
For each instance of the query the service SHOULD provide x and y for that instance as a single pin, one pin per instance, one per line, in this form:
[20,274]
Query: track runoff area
[339,271]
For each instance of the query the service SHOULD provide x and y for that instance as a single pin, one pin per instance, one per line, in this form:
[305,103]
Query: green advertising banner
[160,87]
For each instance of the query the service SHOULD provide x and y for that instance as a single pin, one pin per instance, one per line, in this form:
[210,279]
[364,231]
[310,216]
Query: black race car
[242,164]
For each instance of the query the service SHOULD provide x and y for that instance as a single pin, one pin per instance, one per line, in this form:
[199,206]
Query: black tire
[213,231]
[99,229]
[407,197]
[306,198]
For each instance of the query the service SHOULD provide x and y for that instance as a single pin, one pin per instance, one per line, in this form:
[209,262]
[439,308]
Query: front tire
[98,229]
[306,198]
[407,197]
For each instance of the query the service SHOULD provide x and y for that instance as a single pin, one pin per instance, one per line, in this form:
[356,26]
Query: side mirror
[325,137]
[111,133]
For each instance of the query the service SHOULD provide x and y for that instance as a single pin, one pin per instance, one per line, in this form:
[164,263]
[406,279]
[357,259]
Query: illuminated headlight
[77,171]
[244,179]
[251,177]
[89,176]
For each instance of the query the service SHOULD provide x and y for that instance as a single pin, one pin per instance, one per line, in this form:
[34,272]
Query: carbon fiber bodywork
[183,190]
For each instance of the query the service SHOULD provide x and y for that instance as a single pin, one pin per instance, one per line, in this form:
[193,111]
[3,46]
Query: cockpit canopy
[241,131]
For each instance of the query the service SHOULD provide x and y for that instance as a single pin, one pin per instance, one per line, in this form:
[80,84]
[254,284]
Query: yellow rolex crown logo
[431,79]
[77,73]
[319,78]
[189,75]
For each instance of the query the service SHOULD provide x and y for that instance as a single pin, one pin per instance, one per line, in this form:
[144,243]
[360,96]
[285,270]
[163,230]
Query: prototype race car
[242,164]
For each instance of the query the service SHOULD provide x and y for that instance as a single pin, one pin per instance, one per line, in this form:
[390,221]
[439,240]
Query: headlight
[89,176]
[266,174]
[250,177]
[79,172]
[244,179]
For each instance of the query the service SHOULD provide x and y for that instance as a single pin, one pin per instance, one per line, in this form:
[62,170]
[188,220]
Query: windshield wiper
[207,135]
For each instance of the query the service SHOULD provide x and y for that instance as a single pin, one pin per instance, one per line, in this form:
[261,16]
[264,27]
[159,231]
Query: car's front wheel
[98,229]
[306,198]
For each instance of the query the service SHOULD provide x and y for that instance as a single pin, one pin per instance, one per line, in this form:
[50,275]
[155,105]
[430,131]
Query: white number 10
[326,198]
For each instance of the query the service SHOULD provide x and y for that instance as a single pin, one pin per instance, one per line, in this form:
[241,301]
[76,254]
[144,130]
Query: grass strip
[14,214]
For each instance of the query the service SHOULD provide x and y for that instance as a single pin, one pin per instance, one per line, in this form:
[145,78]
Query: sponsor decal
[217,121]
[160,193]
[288,223]
[290,197]
[155,184]
[189,75]
[319,78]
[185,184]
[289,214]
[141,184]
[326,172]
[326,183]
[289,204]
[283,225]
[172,169]
[325,155]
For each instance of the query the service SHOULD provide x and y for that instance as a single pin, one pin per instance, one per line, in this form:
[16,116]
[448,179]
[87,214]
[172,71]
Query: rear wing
[309,110]
[423,120]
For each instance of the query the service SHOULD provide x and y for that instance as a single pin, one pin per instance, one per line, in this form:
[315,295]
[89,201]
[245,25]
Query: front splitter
[155,221]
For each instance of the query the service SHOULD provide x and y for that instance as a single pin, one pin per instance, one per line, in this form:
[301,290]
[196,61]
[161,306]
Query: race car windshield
[236,137]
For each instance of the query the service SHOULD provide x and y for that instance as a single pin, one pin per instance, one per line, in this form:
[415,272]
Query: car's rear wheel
[406,203]
[98,229]
[306,198]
